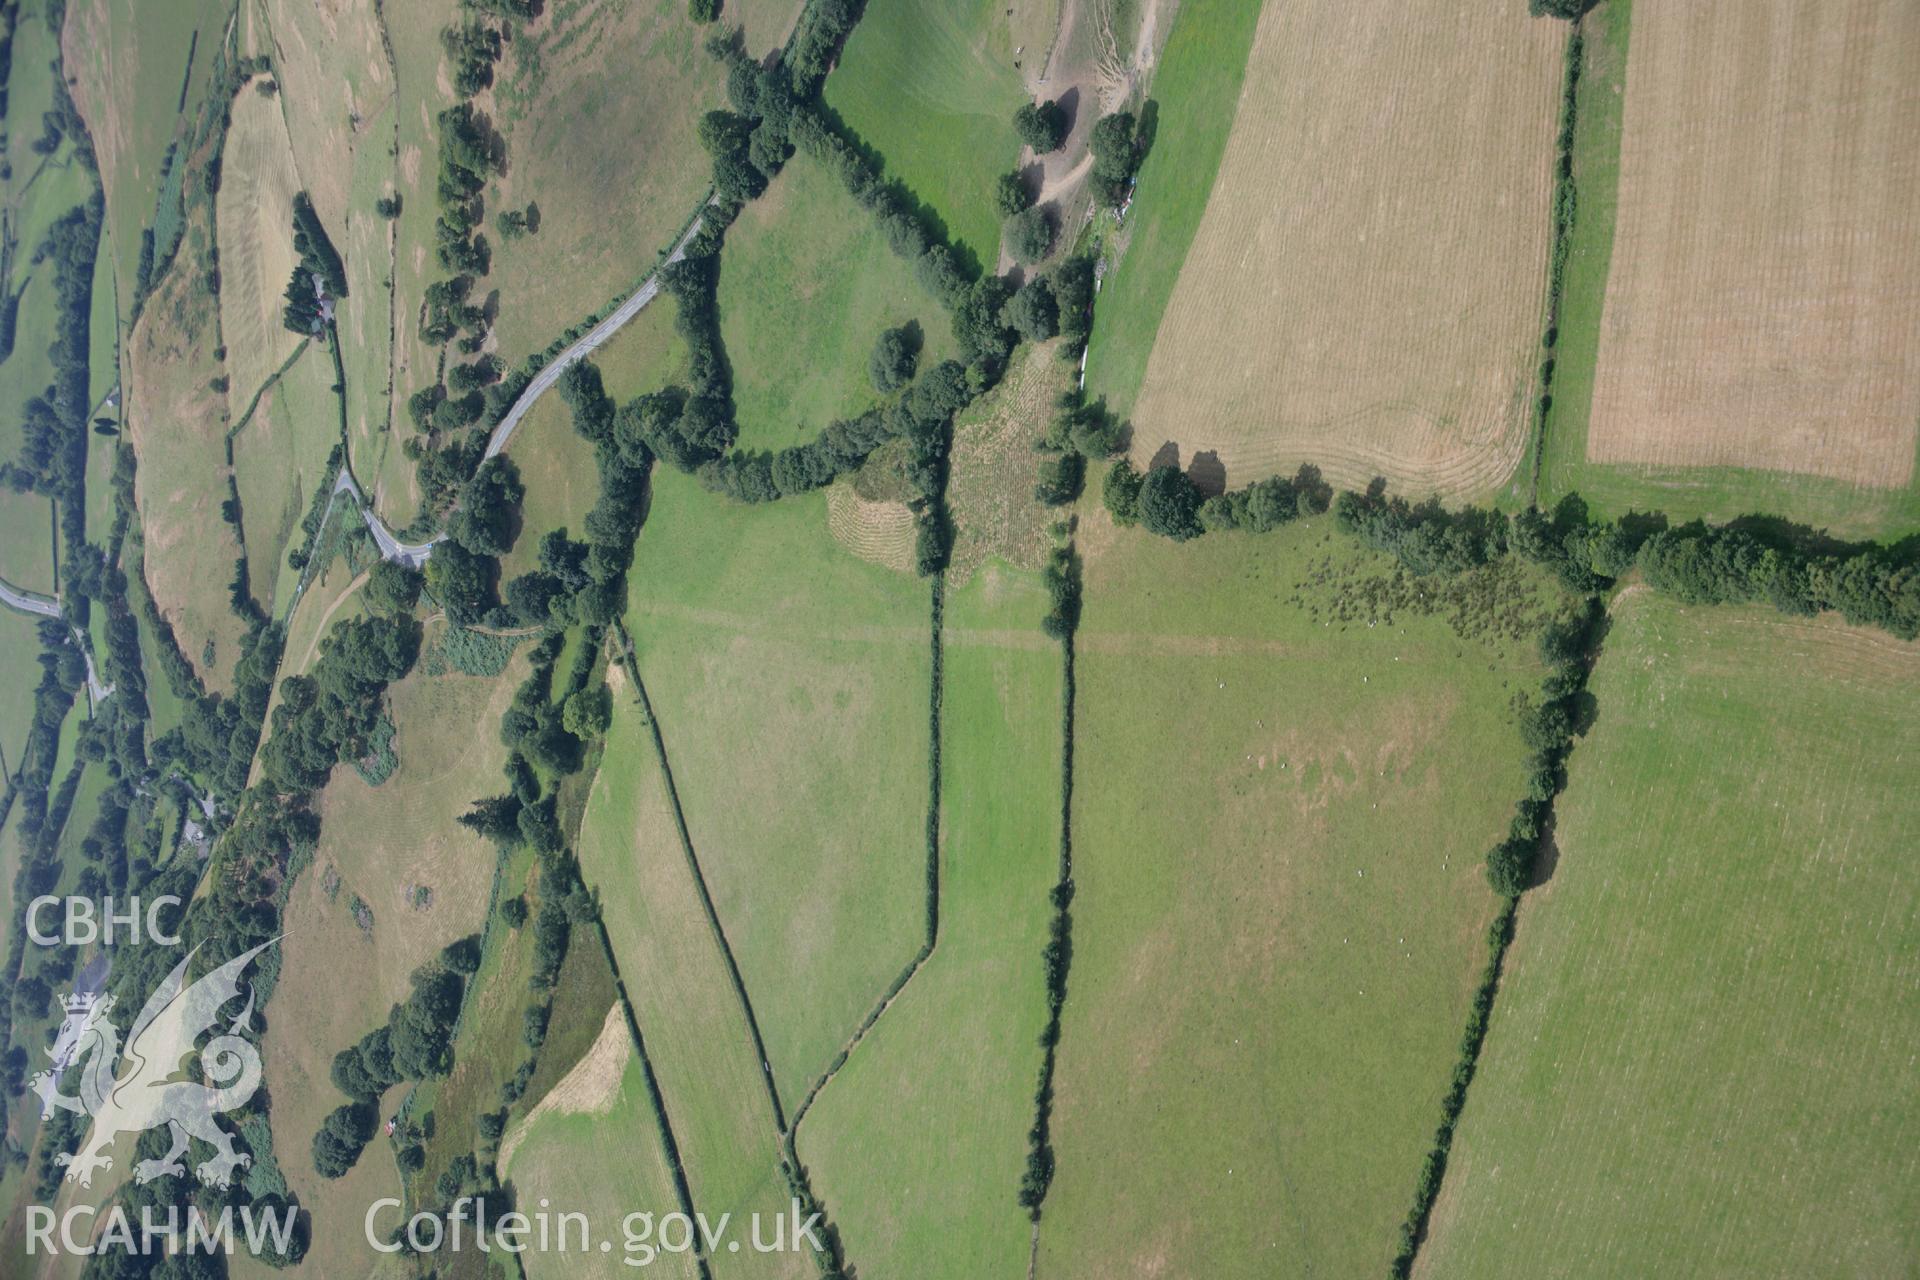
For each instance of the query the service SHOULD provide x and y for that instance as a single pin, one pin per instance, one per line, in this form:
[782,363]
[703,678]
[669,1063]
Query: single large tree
[1169,504]
[1041,125]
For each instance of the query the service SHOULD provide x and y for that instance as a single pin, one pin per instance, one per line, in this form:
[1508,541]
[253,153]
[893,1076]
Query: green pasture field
[26,541]
[377,459]
[807,284]
[1197,89]
[556,464]
[918,1143]
[599,106]
[19,673]
[164,707]
[131,59]
[1684,493]
[279,459]
[930,84]
[367,318]
[1701,1058]
[103,329]
[38,191]
[644,356]
[673,970]
[633,1178]
[791,683]
[27,371]
[1279,823]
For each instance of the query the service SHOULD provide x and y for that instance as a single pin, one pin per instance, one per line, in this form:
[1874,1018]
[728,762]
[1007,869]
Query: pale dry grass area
[340,979]
[1364,291]
[177,423]
[335,78]
[591,1088]
[1765,284]
[255,219]
[995,468]
[880,532]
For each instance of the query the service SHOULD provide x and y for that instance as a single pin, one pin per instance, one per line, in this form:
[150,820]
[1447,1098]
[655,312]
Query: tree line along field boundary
[1565,215]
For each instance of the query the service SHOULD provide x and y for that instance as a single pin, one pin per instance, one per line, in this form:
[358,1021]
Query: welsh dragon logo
[148,1096]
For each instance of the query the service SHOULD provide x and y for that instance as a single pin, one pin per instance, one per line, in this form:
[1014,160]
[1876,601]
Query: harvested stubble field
[880,531]
[1196,84]
[1382,210]
[255,222]
[1765,280]
[695,1028]
[1279,821]
[918,1142]
[1701,1059]
[791,683]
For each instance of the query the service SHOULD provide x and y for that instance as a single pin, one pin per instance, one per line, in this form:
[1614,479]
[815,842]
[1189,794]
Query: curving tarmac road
[415,554]
[49,607]
[588,342]
[29,601]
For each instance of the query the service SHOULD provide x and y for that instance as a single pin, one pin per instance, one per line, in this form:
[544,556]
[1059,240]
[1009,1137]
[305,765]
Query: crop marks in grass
[1290,789]
[1665,1087]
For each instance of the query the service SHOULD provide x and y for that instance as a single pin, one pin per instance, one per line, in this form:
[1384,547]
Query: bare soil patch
[589,1089]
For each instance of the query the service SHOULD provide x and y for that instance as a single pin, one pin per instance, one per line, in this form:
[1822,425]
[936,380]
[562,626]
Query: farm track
[46,607]
[415,554]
